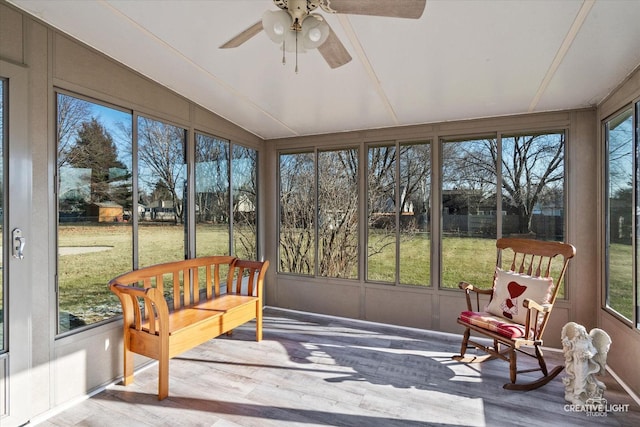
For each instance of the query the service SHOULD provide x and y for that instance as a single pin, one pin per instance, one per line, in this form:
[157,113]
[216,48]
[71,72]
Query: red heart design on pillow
[515,289]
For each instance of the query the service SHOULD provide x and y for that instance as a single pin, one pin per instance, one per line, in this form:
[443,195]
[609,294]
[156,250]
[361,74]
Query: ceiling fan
[297,29]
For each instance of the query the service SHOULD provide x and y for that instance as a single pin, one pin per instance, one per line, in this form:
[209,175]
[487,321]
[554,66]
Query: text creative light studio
[597,407]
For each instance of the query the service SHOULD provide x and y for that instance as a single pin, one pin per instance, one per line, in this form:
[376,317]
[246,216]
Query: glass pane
[381,236]
[212,196]
[3,141]
[469,222]
[297,219]
[415,215]
[338,213]
[244,184]
[533,186]
[620,214]
[637,210]
[161,187]
[94,209]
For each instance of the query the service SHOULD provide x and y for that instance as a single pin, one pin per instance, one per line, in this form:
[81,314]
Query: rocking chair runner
[521,301]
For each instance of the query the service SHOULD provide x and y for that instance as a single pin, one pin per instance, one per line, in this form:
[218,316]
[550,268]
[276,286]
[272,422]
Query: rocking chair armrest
[531,304]
[468,288]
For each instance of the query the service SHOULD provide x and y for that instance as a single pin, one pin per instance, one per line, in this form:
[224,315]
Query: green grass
[83,277]
[415,265]
[468,259]
[621,279]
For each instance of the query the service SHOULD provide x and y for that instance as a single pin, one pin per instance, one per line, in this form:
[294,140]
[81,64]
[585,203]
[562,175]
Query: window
[213,174]
[637,191]
[530,203]
[381,213]
[491,186]
[162,187]
[297,219]
[244,194]
[533,186]
[3,139]
[415,215]
[397,175]
[94,209]
[399,189]
[622,179]
[336,205]
[338,213]
[115,215]
[212,195]
[469,210]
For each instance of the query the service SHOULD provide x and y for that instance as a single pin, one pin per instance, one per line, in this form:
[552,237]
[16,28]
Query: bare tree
[415,183]
[297,205]
[531,165]
[337,205]
[381,190]
[212,180]
[470,173]
[338,213]
[245,201]
[72,112]
[162,159]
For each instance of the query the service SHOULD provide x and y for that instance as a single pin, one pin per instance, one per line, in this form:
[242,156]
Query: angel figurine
[585,357]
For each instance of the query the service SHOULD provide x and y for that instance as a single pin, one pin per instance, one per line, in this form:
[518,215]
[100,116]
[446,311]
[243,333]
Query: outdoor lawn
[91,255]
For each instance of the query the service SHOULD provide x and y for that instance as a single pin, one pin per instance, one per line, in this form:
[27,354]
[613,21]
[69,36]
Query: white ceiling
[462,59]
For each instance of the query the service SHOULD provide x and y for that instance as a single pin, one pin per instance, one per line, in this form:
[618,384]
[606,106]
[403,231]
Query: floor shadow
[274,413]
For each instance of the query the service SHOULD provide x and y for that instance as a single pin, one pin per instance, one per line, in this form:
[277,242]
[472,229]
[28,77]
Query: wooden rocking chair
[521,301]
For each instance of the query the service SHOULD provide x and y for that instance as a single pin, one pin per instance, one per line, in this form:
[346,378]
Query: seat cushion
[493,323]
[511,289]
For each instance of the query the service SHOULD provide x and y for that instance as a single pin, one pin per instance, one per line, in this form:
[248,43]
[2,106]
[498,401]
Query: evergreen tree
[94,149]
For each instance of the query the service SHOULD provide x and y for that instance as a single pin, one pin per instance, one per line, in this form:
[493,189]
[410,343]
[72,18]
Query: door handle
[18,243]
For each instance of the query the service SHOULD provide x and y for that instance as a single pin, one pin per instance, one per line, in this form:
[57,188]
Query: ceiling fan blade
[243,36]
[412,9]
[333,51]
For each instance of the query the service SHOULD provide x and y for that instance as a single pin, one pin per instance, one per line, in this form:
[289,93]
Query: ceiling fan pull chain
[296,52]
[284,61]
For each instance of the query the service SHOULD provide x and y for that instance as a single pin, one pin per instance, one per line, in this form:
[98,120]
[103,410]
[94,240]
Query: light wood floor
[321,371]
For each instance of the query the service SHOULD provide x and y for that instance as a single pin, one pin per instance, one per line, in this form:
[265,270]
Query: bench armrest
[156,311]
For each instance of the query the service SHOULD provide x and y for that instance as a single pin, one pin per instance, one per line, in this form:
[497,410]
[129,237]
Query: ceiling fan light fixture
[276,24]
[314,31]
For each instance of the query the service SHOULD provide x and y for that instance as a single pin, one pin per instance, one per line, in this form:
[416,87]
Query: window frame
[634,321]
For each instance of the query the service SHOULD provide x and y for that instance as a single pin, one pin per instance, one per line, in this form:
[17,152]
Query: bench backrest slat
[208,280]
[216,280]
[249,273]
[184,277]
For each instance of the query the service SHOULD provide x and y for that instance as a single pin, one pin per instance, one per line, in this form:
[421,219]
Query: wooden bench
[172,307]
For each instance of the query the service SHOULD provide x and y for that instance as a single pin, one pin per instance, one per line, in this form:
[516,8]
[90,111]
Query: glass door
[15,277]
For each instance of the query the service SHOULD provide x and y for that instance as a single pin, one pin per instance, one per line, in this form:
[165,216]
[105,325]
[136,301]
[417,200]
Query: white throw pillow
[511,289]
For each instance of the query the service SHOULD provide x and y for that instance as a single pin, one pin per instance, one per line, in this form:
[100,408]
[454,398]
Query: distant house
[105,212]
[160,210]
